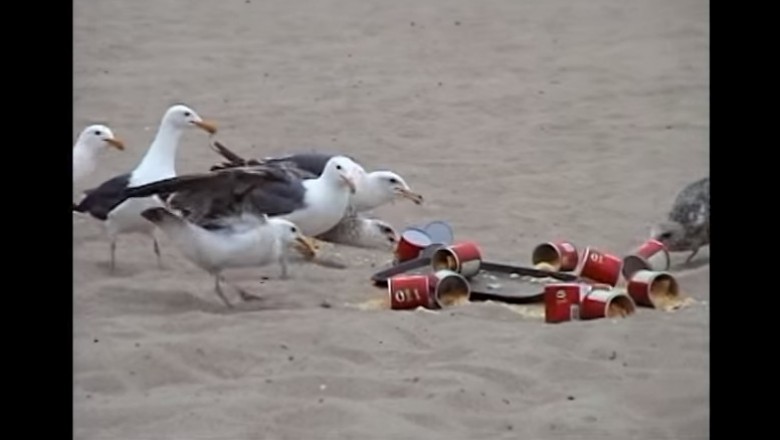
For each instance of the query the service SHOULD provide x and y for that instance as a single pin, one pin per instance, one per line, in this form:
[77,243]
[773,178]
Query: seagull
[91,141]
[106,202]
[247,216]
[372,190]
[687,227]
[235,240]
[314,203]
[362,232]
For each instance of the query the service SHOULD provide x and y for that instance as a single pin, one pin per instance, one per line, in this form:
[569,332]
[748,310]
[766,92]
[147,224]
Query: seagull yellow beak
[306,247]
[411,195]
[116,143]
[208,127]
[350,183]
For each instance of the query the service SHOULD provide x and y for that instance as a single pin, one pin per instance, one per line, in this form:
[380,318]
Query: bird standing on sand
[107,203]
[240,241]
[687,227]
[371,190]
[314,204]
[247,216]
[91,141]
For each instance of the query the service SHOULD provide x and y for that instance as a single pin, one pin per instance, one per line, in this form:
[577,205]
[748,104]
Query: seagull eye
[187,114]
[665,235]
[97,133]
[338,167]
[292,229]
[393,180]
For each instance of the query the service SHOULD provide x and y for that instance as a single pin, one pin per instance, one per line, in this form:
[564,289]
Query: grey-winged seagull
[106,202]
[372,190]
[314,204]
[234,217]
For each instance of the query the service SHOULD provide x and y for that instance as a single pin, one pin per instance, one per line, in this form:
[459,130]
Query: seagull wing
[215,197]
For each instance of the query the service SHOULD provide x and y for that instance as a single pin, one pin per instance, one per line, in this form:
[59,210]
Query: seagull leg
[221,294]
[157,252]
[246,296]
[112,259]
[284,275]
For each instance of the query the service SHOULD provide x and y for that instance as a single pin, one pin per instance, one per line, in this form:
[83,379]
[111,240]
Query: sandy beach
[519,121]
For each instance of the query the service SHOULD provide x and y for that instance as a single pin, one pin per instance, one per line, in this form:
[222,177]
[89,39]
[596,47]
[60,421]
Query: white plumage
[91,141]
[106,202]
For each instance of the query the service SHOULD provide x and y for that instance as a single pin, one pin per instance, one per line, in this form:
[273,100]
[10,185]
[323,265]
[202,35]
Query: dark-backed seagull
[354,229]
[238,217]
[372,189]
[314,204]
[107,203]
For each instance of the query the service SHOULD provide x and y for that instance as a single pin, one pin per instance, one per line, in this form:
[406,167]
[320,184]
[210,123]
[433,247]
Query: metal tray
[495,281]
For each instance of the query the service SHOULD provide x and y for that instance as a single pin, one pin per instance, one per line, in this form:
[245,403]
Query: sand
[519,121]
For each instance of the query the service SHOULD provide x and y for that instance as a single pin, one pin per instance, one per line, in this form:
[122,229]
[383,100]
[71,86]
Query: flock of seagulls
[241,212]
[107,202]
[253,212]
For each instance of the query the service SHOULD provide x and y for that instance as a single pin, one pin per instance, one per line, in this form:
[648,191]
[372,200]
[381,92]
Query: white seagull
[107,203]
[247,216]
[239,241]
[315,204]
[91,141]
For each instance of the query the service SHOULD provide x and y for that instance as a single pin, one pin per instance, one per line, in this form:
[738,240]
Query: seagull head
[98,136]
[343,171]
[182,116]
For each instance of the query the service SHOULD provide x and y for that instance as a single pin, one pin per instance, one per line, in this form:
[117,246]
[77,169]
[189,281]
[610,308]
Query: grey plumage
[313,163]
[358,231]
[687,227]
[208,199]
[354,229]
[99,201]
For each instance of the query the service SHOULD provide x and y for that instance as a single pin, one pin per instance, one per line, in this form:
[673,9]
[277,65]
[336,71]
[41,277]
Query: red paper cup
[562,301]
[600,267]
[561,255]
[411,243]
[449,288]
[409,292]
[603,303]
[651,255]
[652,288]
[463,258]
